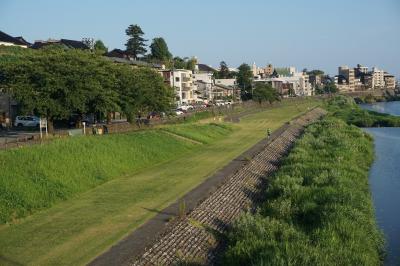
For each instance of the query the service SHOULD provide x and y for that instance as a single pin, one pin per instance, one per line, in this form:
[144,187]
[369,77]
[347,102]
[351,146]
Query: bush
[346,109]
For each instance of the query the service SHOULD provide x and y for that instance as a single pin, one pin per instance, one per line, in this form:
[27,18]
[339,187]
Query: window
[177,79]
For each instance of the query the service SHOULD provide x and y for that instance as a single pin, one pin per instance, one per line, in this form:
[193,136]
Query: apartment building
[346,79]
[390,81]
[225,82]
[204,83]
[378,78]
[182,81]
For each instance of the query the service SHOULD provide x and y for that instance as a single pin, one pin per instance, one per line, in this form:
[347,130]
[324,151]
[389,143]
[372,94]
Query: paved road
[13,135]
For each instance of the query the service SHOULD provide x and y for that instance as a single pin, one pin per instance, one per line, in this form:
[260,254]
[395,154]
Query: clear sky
[312,34]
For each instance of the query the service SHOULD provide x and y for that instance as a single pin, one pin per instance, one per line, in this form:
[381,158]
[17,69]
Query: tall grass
[346,109]
[36,177]
[318,208]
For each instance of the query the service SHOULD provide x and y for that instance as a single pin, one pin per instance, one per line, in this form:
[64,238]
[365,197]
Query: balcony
[186,87]
[186,79]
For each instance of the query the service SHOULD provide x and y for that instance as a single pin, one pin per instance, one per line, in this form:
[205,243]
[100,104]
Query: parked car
[219,103]
[186,107]
[27,121]
[179,112]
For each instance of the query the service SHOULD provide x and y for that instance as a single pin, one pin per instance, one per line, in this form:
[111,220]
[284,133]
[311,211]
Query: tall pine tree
[159,50]
[135,45]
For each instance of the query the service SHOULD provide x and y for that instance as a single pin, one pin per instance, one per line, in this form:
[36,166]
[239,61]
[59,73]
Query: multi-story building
[182,81]
[378,80]
[268,70]
[204,83]
[390,82]
[225,82]
[346,80]
[360,70]
[296,85]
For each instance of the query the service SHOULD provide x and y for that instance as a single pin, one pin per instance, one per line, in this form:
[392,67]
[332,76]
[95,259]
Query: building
[182,81]
[69,44]
[346,79]
[226,82]
[268,70]
[378,80]
[390,82]
[360,70]
[204,83]
[296,85]
[8,40]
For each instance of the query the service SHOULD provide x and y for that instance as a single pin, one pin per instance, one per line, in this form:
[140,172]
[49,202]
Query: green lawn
[74,231]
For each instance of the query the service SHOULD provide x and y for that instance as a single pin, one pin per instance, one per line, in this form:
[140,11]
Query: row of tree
[159,52]
[57,83]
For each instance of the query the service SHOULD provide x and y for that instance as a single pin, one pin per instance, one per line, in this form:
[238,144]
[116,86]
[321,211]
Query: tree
[135,45]
[184,63]
[244,80]
[142,91]
[224,72]
[315,72]
[159,50]
[100,48]
[330,87]
[57,83]
[265,93]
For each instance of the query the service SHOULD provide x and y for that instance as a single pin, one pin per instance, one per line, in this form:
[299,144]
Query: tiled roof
[4,37]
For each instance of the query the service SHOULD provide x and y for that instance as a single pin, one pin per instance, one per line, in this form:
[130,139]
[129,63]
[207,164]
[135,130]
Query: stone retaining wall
[193,238]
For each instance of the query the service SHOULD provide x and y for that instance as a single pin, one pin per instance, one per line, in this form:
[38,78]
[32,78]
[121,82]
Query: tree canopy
[135,45]
[159,50]
[244,80]
[315,72]
[265,93]
[100,48]
[58,83]
[184,63]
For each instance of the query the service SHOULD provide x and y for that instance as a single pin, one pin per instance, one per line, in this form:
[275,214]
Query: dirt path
[171,237]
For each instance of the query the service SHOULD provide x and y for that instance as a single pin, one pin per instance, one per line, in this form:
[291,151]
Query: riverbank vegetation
[346,109]
[318,208]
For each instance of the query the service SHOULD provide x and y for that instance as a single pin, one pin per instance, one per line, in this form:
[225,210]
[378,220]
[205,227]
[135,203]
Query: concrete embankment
[171,237]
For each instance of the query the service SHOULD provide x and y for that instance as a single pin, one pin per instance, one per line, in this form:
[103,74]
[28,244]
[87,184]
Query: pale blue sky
[312,34]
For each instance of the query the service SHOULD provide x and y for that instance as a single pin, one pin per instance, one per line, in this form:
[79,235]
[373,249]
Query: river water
[384,178]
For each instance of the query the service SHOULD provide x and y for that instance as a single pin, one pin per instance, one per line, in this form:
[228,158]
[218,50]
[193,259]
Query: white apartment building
[182,81]
[204,83]
[225,82]
[297,85]
[378,78]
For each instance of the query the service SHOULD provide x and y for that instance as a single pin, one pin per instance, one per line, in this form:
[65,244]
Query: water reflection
[384,178]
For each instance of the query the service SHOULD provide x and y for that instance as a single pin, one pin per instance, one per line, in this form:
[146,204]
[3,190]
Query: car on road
[186,107]
[27,121]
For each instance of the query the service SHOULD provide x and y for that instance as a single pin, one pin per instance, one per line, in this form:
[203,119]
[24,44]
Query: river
[384,179]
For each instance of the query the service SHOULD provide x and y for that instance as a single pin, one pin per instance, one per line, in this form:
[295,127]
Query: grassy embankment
[346,109]
[139,173]
[34,178]
[318,209]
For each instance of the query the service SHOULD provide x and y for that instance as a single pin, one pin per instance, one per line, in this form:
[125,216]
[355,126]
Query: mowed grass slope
[36,177]
[318,208]
[75,231]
